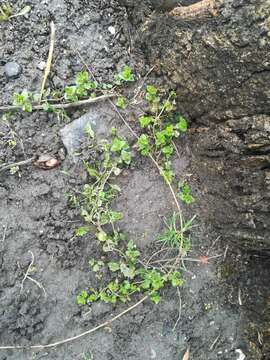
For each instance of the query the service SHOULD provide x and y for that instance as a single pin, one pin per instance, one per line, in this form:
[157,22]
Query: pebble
[241,355]
[41,66]
[112,30]
[12,70]
[73,134]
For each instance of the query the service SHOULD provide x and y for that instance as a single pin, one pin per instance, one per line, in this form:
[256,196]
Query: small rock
[241,355]
[41,66]
[73,134]
[12,70]
[112,30]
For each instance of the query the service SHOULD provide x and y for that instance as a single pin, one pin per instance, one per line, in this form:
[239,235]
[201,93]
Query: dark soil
[35,214]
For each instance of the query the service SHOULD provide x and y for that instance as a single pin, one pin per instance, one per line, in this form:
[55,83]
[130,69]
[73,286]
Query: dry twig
[49,60]
[27,276]
[90,331]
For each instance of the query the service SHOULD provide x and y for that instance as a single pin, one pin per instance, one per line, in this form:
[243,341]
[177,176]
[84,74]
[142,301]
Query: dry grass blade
[49,60]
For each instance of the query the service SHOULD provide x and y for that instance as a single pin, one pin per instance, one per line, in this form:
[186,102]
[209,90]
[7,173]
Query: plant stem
[62,106]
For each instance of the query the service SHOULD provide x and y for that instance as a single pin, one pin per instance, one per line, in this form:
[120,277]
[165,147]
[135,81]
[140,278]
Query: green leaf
[70,93]
[168,106]
[113,286]
[126,75]
[146,120]
[119,144]
[176,279]
[167,172]
[155,297]
[144,145]
[151,96]
[151,90]
[89,131]
[23,100]
[126,156]
[160,138]
[185,194]
[82,298]
[81,231]
[102,236]
[122,102]
[82,78]
[182,124]
[91,171]
[114,266]
[167,150]
[111,217]
[127,271]
[93,297]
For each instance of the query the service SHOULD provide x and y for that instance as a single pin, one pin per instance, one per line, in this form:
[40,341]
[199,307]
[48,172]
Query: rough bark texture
[220,68]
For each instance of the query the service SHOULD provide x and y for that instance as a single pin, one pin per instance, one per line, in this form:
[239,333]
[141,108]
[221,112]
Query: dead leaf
[186,356]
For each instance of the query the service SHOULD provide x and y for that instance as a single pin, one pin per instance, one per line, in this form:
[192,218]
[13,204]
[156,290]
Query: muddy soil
[35,214]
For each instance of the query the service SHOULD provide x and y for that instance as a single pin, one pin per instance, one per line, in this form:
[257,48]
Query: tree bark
[220,67]
[219,63]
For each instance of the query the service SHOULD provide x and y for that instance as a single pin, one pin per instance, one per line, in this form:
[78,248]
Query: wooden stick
[49,60]
[61,106]
[57,343]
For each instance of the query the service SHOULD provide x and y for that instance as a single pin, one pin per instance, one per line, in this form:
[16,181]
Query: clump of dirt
[36,216]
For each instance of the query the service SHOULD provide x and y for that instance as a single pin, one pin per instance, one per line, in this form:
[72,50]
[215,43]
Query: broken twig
[49,61]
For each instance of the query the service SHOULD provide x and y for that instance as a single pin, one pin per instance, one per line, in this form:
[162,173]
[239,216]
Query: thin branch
[27,276]
[49,60]
[90,331]
[38,284]
[28,269]
[61,106]
[19,163]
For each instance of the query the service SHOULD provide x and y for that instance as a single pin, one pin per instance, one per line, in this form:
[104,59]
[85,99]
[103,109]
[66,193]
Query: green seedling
[176,236]
[160,128]
[126,75]
[83,230]
[122,102]
[23,100]
[185,194]
[129,274]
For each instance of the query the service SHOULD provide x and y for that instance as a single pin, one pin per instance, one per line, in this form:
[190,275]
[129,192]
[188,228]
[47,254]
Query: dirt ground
[35,214]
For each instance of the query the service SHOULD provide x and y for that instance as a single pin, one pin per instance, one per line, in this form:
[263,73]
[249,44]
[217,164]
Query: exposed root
[200,9]
[27,276]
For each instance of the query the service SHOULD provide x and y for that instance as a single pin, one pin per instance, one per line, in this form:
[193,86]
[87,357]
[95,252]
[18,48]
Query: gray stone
[12,70]
[41,65]
[100,119]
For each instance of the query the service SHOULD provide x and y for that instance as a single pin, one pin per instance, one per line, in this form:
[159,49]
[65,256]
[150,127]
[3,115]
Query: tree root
[197,10]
